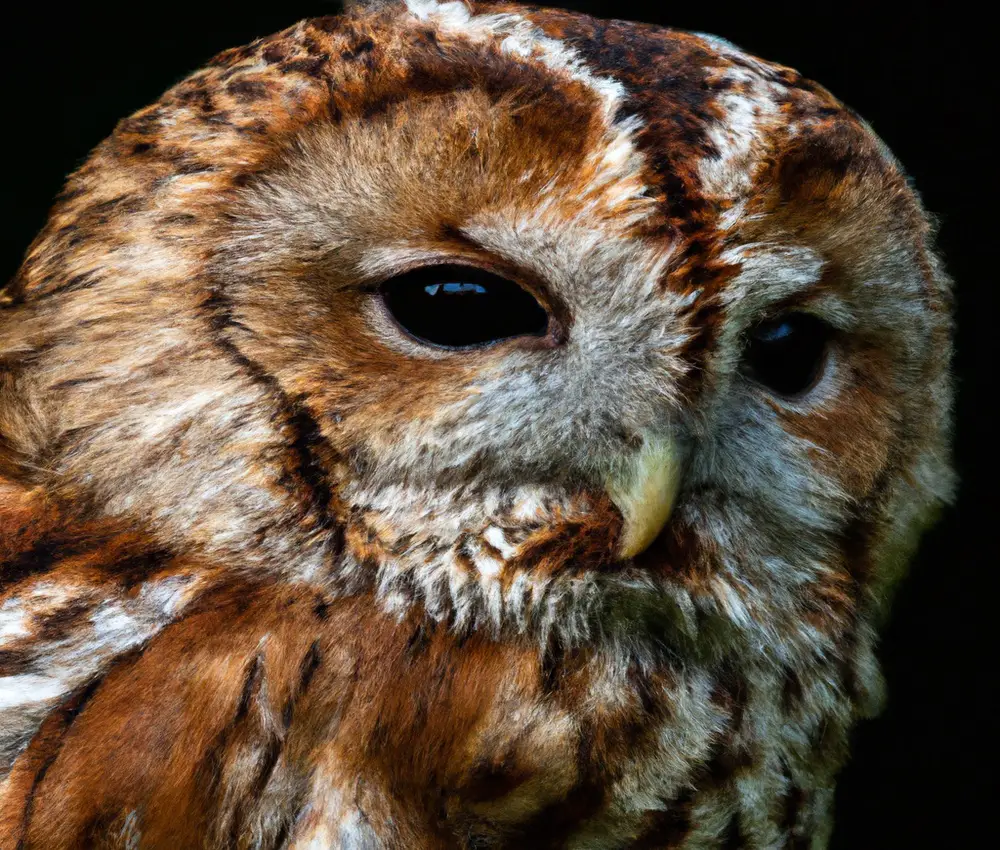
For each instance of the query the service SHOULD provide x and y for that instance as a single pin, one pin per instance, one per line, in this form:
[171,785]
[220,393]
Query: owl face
[534,323]
[462,424]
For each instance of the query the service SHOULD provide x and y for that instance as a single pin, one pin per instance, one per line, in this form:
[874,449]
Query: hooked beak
[644,489]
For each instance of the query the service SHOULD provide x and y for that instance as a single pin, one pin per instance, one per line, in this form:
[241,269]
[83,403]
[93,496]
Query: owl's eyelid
[458,264]
[786,315]
[830,307]
[386,262]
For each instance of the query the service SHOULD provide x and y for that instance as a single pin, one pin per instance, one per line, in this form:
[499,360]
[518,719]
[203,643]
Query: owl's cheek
[364,395]
[852,431]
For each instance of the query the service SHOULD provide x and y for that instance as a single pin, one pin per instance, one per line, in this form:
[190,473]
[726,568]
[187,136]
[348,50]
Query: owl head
[535,323]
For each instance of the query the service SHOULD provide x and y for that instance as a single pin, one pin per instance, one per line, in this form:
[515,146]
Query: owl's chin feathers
[273,697]
[543,565]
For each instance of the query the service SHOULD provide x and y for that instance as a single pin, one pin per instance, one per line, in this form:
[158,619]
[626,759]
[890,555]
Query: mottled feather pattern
[275,575]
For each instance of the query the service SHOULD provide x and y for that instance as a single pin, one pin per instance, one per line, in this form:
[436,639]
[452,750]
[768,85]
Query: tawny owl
[458,425]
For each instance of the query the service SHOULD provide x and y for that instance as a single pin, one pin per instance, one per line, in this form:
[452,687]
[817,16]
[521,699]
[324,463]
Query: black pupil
[786,354]
[462,307]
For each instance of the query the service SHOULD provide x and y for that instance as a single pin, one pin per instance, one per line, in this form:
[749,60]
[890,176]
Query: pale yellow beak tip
[644,491]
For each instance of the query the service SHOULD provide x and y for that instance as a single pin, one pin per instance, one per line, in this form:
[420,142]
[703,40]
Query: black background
[918,774]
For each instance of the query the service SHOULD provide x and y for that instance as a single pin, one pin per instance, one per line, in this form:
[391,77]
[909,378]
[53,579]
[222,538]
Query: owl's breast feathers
[276,574]
[177,705]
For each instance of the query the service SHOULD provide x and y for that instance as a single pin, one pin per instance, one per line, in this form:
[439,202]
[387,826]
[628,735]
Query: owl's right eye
[462,307]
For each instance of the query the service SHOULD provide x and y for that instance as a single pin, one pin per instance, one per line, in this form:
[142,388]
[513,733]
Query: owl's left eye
[787,354]
[462,307]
